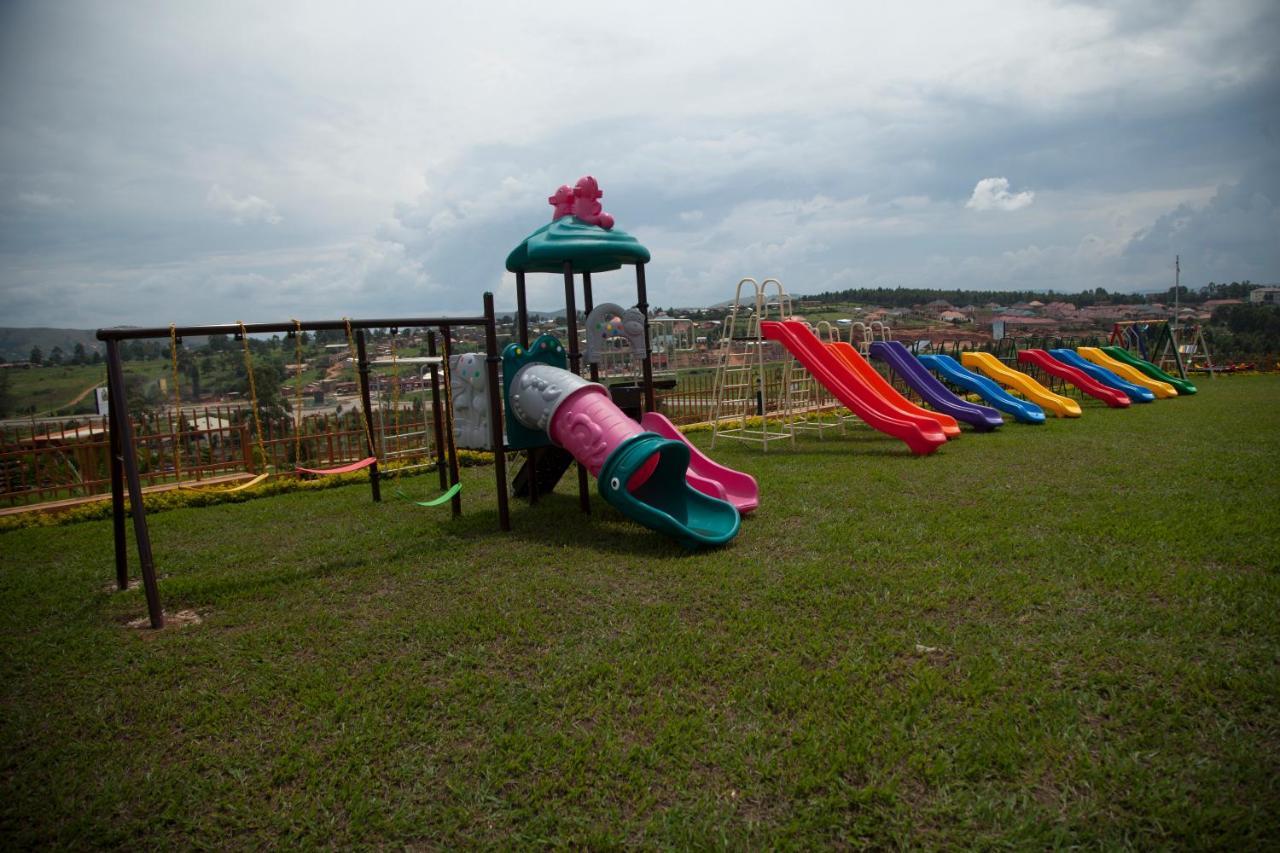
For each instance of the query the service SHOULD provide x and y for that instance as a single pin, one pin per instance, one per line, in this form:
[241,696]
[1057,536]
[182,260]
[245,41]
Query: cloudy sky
[209,162]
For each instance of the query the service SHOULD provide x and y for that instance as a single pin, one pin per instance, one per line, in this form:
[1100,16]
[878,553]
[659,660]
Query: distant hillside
[16,343]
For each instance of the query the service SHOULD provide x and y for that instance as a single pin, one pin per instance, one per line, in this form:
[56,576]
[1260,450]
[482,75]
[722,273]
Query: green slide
[1123,355]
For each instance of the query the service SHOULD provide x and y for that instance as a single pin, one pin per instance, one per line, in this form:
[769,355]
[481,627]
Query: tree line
[905,297]
[57,357]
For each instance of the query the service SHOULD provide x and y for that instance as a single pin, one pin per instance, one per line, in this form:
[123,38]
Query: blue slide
[1136,393]
[933,392]
[949,369]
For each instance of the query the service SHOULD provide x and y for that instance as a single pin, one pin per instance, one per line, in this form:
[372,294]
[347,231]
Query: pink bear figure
[586,204]
[562,201]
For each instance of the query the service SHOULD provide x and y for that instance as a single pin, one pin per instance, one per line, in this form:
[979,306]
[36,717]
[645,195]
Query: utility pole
[1177,282]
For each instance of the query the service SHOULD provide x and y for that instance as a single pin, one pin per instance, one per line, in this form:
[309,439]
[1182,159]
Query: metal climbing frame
[811,402]
[1182,347]
[740,385]
[861,335]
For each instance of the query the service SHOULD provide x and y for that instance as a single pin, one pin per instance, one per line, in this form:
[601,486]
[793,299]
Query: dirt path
[85,393]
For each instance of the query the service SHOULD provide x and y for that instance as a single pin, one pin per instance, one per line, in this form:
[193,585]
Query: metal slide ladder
[810,401]
[740,372]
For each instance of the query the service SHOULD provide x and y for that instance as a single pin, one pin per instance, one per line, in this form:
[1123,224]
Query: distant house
[1268,295]
[1210,304]
[953,317]
[1021,319]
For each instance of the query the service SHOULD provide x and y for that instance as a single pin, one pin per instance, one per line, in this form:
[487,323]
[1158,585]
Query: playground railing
[42,463]
[693,398]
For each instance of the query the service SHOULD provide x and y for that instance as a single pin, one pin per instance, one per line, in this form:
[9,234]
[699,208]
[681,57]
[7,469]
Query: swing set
[124,456]
[255,409]
[1168,344]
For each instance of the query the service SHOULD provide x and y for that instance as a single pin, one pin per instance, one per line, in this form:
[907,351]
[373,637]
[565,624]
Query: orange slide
[862,368]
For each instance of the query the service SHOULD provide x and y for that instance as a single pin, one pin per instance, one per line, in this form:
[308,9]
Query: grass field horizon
[1046,636]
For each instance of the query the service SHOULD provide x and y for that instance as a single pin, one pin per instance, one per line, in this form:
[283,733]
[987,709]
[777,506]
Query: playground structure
[820,371]
[643,466]
[123,454]
[1169,346]
[673,344]
[641,473]
[556,417]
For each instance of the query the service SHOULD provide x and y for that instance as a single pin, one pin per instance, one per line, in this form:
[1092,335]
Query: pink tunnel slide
[641,473]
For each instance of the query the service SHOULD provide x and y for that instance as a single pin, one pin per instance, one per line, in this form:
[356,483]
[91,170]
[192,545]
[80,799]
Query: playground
[928,625]
[1050,635]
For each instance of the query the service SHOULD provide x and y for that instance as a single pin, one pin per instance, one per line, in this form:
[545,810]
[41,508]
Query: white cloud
[158,142]
[244,210]
[43,200]
[993,194]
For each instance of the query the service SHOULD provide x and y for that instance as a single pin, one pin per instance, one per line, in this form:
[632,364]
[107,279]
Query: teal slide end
[665,501]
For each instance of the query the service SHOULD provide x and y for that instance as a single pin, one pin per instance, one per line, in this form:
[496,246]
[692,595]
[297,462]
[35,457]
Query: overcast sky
[209,162]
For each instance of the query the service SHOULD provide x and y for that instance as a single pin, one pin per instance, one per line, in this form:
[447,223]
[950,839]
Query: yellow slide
[1063,407]
[1129,374]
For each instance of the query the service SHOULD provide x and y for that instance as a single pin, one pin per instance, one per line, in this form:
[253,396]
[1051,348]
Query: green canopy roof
[589,248]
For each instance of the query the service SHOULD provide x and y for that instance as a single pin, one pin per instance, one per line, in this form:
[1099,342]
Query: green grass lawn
[50,390]
[1047,636]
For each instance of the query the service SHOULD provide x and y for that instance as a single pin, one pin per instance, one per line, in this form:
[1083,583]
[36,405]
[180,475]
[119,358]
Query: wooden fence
[41,463]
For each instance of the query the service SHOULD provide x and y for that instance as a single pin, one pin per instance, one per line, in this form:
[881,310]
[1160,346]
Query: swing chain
[253,391]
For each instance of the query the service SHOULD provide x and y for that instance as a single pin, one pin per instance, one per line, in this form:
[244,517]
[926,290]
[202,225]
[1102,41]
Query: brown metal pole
[450,444]
[642,305]
[437,414]
[522,335]
[522,312]
[575,361]
[588,304]
[571,318]
[129,461]
[492,359]
[363,365]
[117,491]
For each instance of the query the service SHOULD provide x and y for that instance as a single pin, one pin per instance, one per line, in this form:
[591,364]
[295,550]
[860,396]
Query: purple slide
[705,474]
[982,418]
